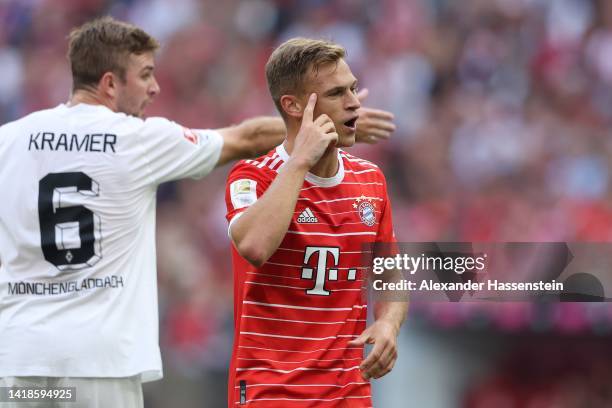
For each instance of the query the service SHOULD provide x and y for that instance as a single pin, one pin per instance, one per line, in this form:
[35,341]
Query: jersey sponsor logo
[321,274]
[366,210]
[307,217]
[190,135]
[243,193]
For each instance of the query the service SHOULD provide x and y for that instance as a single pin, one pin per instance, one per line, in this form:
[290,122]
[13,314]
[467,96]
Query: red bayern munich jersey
[295,315]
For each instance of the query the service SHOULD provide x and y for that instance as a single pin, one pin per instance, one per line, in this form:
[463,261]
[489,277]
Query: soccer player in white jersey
[78,292]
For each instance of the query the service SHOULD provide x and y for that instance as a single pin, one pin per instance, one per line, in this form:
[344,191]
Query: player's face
[139,87]
[336,89]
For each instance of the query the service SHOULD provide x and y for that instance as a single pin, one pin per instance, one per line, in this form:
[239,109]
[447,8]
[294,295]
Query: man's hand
[373,125]
[382,357]
[314,137]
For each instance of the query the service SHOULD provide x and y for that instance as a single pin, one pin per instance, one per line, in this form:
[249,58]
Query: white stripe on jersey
[306,399]
[333,309]
[344,199]
[266,160]
[338,213]
[344,223]
[297,287]
[360,171]
[342,252]
[329,234]
[299,362]
[305,385]
[300,279]
[297,321]
[276,286]
[355,159]
[275,276]
[301,266]
[339,199]
[274,163]
[345,183]
[279,336]
[297,369]
[301,351]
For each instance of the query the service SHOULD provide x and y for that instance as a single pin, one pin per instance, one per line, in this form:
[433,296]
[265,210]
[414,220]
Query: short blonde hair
[289,64]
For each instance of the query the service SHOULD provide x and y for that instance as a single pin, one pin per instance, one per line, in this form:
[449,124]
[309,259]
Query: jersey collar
[313,178]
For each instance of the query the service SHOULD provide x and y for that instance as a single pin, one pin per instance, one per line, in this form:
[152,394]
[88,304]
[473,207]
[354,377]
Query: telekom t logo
[322,272]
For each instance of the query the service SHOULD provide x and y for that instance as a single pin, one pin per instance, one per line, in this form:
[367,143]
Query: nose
[353,101]
[154,89]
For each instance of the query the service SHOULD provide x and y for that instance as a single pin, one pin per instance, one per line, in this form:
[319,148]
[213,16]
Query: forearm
[258,232]
[266,133]
[251,138]
[391,307]
[393,313]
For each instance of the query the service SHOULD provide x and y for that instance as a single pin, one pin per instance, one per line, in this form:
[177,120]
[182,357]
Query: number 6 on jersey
[68,230]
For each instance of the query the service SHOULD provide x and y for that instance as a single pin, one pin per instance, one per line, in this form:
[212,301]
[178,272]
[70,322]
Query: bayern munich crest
[366,210]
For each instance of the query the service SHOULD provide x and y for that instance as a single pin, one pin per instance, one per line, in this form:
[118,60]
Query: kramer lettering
[95,142]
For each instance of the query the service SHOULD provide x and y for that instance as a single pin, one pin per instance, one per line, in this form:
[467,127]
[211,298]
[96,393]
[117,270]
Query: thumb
[362,94]
[361,340]
[309,109]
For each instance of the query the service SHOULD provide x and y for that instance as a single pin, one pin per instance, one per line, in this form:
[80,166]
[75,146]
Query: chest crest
[366,209]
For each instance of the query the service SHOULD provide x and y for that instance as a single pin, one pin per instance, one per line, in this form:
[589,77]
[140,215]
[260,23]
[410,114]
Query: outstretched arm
[251,138]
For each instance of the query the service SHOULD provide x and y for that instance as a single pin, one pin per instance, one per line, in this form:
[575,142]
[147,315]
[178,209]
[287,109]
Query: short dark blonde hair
[103,45]
[289,64]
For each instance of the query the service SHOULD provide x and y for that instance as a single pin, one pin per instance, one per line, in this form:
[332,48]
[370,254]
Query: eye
[354,89]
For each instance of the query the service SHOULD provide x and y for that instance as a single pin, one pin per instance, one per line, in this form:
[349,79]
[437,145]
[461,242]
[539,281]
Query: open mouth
[351,123]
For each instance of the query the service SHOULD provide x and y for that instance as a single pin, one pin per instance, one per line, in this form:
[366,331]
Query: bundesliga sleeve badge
[243,193]
[366,210]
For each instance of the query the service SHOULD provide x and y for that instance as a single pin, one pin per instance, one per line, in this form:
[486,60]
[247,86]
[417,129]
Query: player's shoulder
[362,168]
[266,165]
[32,117]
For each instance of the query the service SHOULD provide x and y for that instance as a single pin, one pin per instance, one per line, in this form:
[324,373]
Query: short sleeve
[245,184]
[174,152]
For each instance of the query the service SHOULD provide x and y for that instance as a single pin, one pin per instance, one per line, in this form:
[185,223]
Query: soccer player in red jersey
[299,217]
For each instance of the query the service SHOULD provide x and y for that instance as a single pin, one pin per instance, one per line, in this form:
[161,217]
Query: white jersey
[78,288]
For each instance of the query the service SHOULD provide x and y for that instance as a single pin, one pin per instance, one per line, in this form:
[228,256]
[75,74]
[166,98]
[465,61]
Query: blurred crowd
[549,373]
[503,110]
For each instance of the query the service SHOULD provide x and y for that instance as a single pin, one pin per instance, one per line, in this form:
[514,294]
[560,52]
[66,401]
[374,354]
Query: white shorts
[123,392]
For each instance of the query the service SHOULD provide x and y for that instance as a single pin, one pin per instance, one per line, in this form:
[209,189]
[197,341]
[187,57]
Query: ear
[292,106]
[108,85]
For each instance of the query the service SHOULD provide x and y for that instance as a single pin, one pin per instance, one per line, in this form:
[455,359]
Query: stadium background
[503,110]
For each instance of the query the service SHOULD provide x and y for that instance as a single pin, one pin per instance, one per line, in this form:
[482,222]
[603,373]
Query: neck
[90,98]
[326,167]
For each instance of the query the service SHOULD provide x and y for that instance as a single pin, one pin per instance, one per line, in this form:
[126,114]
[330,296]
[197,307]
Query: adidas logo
[307,217]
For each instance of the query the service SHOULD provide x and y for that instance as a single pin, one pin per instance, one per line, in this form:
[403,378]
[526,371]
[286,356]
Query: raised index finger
[309,109]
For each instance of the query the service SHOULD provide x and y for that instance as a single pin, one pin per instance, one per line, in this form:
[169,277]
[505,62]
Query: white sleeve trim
[229,227]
